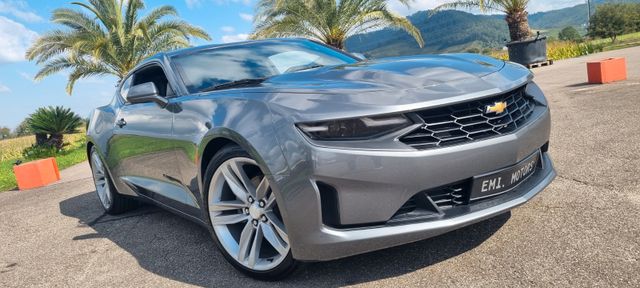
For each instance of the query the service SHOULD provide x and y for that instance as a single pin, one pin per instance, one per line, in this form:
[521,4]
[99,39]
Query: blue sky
[22,21]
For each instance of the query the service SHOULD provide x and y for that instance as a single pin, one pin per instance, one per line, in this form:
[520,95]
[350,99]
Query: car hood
[388,85]
[389,73]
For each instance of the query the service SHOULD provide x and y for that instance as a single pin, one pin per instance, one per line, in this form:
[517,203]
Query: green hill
[457,31]
[443,32]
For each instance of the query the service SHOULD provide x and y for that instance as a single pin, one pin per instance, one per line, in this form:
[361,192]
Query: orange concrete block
[607,71]
[36,173]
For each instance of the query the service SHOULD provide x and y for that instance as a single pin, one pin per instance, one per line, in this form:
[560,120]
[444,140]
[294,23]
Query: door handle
[121,123]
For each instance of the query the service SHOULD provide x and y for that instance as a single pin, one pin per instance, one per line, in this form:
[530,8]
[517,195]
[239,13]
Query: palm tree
[515,10]
[108,38]
[54,122]
[328,21]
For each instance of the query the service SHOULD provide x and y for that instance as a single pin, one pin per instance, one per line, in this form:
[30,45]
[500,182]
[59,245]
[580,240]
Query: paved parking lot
[584,230]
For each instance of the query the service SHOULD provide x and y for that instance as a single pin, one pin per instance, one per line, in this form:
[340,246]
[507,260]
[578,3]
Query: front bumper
[372,185]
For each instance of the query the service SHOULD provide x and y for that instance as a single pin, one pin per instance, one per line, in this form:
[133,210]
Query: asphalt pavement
[583,230]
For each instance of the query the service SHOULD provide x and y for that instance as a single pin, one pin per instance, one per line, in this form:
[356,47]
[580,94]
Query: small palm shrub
[53,122]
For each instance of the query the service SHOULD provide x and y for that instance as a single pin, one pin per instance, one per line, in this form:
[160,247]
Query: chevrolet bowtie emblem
[497,108]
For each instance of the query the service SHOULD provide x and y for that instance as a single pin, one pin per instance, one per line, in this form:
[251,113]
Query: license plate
[505,179]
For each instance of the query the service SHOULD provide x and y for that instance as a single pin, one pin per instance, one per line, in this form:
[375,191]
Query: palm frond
[108,37]
[329,21]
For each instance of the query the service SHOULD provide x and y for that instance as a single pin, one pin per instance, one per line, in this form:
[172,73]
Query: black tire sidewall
[119,203]
[287,265]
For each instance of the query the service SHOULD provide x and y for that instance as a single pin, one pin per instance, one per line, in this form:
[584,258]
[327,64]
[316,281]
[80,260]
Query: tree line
[614,19]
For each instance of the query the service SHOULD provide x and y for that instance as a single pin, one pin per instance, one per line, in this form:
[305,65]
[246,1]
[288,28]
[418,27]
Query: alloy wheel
[100,180]
[245,215]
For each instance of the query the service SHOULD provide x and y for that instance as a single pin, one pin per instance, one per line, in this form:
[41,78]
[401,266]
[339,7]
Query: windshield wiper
[236,83]
[303,67]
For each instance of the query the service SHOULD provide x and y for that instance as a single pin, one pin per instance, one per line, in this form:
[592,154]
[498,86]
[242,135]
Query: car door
[143,146]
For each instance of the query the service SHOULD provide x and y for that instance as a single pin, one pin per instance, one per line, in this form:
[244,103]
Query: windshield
[205,69]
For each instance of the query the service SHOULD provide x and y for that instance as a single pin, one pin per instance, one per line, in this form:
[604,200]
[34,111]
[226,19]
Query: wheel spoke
[263,187]
[271,200]
[236,167]
[107,194]
[226,205]
[228,219]
[100,182]
[273,239]
[254,254]
[245,241]
[278,226]
[236,187]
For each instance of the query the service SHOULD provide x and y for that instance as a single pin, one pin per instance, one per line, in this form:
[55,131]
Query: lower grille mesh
[448,196]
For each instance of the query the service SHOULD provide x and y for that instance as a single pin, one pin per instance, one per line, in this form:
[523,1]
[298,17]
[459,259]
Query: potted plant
[523,48]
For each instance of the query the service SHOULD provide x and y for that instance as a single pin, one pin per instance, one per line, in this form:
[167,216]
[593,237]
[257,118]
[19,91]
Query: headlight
[534,91]
[354,128]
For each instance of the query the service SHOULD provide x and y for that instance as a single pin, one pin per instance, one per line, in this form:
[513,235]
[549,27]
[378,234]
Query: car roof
[189,50]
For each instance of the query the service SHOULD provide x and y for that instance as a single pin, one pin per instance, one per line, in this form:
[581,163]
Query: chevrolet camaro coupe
[288,150]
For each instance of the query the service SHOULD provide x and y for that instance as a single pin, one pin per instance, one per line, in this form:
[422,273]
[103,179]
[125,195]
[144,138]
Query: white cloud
[228,29]
[534,6]
[234,38]
[19,9]
[192,3]
[246,17]
[4,89]
[15,40]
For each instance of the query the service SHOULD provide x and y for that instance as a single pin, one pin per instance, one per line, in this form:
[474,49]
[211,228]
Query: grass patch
[73,153]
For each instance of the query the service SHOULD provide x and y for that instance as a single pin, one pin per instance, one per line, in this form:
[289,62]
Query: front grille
[433,202]
[466,122]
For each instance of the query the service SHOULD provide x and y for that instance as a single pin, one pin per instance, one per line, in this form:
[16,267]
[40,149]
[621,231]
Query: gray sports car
[288,150]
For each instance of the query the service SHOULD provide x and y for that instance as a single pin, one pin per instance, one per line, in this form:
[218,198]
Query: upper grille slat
[467,122]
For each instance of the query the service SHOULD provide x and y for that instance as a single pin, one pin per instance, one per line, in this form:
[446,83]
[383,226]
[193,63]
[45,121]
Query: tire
[112,201]
[246,220]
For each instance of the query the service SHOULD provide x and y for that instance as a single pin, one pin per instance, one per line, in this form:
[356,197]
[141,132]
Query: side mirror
[359,56]
[146,92]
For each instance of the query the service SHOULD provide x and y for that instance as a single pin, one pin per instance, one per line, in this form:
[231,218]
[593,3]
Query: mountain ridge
[458,31]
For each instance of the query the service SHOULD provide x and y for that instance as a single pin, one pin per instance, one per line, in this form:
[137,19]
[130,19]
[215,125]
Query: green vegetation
[446,31]
[515,11]
[614,19]
[5,132]
[329,21]
[11,150]
[108,38]
[558,50]
[53,122]
[23,129]
[569,34]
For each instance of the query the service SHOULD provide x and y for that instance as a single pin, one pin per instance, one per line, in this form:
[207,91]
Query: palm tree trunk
[41,139]
[56,140]
[518,25]
[336,43]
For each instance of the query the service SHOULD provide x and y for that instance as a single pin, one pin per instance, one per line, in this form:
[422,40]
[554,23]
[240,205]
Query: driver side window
[156,75]
[153,74]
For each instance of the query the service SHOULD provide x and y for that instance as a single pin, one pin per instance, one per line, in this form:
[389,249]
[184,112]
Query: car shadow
[579,85]
[178,249]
